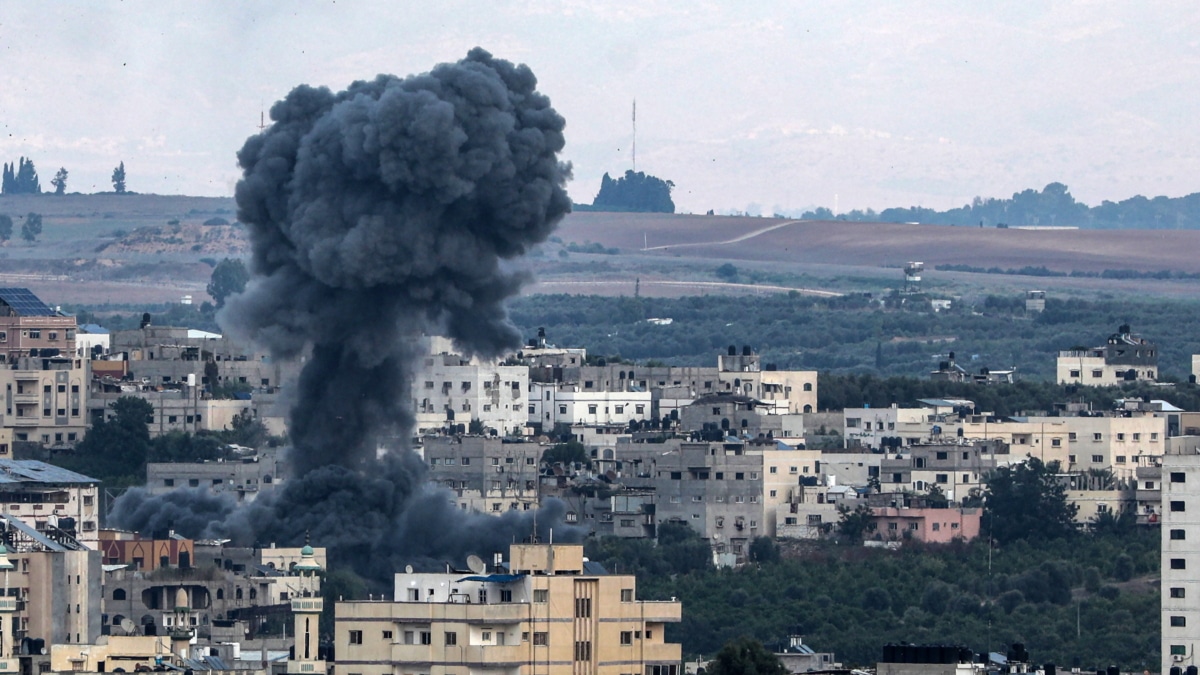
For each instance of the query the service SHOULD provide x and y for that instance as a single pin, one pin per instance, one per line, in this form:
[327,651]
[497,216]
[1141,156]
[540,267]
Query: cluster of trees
[1053,206]
[229,277]
[31,227]
[856,334]
[116,450]
[20,179]
[635,191]
[1074,598]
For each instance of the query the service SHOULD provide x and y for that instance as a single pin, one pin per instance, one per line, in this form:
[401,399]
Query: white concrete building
[1180,558]
[450,389]
[1125,357]
[551,404]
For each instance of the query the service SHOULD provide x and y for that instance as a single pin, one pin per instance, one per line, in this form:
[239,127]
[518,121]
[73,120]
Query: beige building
[1125,357]
[45,399]
[30,327]
[50,499]
[1110,442]
[549,613]
[450,389]
[1180,567]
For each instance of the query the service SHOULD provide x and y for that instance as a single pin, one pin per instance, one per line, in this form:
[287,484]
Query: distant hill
[1053,206]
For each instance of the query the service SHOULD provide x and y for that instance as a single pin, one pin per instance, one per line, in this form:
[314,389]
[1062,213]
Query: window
[626,595]
[451,638]
[541,595]
[541,639]
[626,637]
[1177,477]
[1178,593]
[676,475]
[583,651]
[775,469]
[1074,373]
[1071,459]
[562,410]
[356,637]
[1178,622]
[942,478]
[753,475]
[505,595]
[1178,650]
[1097,459]
[640,409]
[583,608]
[169,482]
[1120,437]
[1097,437]
[1136,437]
[1056,442]
[387,635]
[591,409]
[1120,459]
[1178,564]
[1178,506]
[426,637]
[1097,373]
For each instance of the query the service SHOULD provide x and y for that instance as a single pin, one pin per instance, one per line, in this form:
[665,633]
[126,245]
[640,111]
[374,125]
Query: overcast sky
[767,106]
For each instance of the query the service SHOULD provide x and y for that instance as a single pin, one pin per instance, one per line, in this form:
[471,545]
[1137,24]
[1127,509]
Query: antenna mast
[635,135]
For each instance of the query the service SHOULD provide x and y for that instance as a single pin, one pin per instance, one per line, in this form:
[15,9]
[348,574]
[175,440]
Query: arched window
[237,593]
[808,386]
[119,594]
[807,408]
[220,593]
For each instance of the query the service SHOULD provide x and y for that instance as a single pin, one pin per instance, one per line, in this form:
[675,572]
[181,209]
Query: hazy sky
[744,105]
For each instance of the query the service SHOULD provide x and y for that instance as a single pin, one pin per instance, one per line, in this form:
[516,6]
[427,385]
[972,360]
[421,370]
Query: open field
[155,248]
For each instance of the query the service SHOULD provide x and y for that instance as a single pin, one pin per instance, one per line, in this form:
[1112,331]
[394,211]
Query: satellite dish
[408,569]
[128,626]
[475,563]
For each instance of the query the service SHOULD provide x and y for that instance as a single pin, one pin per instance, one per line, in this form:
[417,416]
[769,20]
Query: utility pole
[635,135]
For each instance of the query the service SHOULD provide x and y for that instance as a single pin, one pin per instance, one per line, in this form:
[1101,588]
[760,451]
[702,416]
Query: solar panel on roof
[24,302]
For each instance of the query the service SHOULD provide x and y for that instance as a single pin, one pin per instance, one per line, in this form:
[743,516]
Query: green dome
[307,550]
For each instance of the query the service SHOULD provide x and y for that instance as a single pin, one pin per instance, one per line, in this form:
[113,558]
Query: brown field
[886,244]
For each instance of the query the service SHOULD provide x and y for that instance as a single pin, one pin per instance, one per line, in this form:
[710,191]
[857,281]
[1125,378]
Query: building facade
[1180,569]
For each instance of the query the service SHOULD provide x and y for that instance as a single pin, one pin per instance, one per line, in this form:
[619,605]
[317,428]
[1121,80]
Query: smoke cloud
[377,214]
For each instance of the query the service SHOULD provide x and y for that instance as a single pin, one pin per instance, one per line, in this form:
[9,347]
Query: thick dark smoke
[376,214]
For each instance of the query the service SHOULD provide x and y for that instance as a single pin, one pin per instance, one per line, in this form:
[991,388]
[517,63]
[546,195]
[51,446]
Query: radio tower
[635,135]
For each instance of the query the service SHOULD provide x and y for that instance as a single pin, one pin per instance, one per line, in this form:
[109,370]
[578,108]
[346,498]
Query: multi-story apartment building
[56,581]
[450,390]
[50,499]
[1125,357]
[739,416]
[485,474]
[45,399]
[1109,441]
[548,613]
[1180,585]
[29,327]
[551,404]
[244,477]
[958,470]
[672,387]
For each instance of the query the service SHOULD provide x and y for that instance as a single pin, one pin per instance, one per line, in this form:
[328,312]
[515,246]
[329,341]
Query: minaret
[8,605]
[181,631]
[306,612]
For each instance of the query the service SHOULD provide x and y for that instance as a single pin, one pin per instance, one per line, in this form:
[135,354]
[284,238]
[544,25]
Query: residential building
[29,327]
[452,390]
[1180,569]
[1035,301]
[812,511]
[56,581]
[930,525]
[118,547]
[50,499]
[45,399]
[484,473]
[551,404]
[958,470]
[1100,441]
[1125,357]
[242,477]
[549,612]
[798,657]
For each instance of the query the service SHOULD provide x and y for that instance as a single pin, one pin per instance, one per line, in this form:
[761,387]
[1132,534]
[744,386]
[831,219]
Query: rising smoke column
[376,214]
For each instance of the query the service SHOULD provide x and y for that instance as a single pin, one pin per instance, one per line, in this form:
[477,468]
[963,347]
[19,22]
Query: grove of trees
[31,228]
[635,191]
[20,179]
[229,277]
[1053,206]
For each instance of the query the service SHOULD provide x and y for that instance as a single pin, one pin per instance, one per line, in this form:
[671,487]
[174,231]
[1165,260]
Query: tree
[854,523]
[745,656]
[118,179]
[1026,501]
[229,277]
[20,179]
[32,227]
[60,181]
[566,453]
[634,192]
[727,272]
[115,450]
[6,226]
[763,550]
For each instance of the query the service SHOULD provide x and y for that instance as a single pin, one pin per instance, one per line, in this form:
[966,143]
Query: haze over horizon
[771,108]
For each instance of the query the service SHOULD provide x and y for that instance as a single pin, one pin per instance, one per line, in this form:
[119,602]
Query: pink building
[935,526]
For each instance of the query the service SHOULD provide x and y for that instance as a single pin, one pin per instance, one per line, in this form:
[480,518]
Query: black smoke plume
[377,214]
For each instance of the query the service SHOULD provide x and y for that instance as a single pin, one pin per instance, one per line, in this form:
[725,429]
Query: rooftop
[24,303]
[34,471]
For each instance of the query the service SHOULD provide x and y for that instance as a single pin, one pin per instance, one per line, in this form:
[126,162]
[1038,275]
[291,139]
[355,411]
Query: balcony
[8,605]
[308,604]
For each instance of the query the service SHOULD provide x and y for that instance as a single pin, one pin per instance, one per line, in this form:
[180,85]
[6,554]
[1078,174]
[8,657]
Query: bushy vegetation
[635,191]
[1053,206]
[852,600]
[856,334]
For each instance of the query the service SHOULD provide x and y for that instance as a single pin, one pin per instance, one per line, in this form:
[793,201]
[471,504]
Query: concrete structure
[485,474]
[128,548]
[245,477]
[92,341]
[126,652]
[450,389]
[958,470]
[55,582]
[1125,357]
[306,618]
[1035,301]
[45,399]
[798,657]
[50,499]
[1108,441]
[934,526]
[1180,568]
[551,404]
[29,327]
[548,613]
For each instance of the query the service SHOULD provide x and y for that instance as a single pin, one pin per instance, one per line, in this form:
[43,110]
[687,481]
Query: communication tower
[912,277]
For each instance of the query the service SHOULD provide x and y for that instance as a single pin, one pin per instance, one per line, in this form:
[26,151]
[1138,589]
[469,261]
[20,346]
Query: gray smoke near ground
[377,214]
